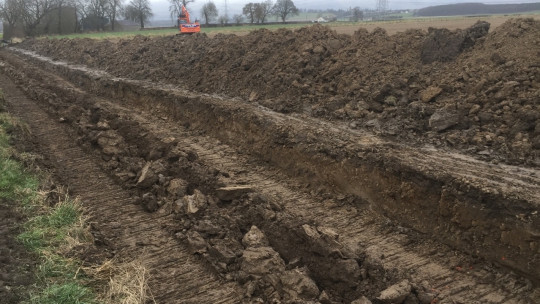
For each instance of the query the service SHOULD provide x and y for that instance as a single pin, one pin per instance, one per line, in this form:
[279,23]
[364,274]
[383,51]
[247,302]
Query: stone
[390,100]
[362,300]
[254,238]
[196,242]
[443,119]
[425,297]
[396,293]
[258,261]
[222,253]
[148,177]
[324,298]
[430,93]
[194,203]
[298,285]
[178,206]
[150,202]
[177,187]
[232,192]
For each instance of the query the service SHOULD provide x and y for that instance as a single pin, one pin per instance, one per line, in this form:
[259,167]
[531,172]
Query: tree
[175,7]
[209,11]
[96,14]
[284,8]
[223,20]
[262,10]
[139,11]
[238,18]
[356,14]
[115,7]
[33,12]
[249,11]
[11,11]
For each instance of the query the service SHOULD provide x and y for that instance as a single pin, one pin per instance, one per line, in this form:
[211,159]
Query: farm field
[308,165]
[392,27]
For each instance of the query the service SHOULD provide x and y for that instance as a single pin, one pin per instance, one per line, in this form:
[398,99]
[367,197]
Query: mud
[370,80]
[284,208]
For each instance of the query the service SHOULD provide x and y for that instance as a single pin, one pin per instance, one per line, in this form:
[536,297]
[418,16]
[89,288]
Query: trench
[355,175]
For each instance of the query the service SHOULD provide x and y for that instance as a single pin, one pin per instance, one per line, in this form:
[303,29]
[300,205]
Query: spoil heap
[481,95]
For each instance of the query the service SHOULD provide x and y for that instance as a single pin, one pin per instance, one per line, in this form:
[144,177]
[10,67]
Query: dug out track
[207,188]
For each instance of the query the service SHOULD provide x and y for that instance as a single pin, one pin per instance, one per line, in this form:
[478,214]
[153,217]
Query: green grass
[47,230]
[174,31]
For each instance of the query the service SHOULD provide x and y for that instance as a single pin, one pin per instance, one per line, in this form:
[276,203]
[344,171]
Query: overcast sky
[161,7]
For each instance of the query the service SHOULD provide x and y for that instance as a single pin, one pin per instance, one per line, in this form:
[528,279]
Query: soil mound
[483,97]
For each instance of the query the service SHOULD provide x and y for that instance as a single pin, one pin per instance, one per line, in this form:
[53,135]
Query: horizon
[160,8]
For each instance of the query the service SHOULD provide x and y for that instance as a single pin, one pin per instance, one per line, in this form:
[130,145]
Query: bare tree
[97,12]
[139,11]
[284,8]
[11,11]
[175,7]
[209,11]
[33,12]
[238,18]
[223,20]
[262,10]
[356,14]
[115,8]
[249,11]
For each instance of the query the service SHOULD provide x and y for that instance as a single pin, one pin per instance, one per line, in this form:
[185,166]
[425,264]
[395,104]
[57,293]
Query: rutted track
[405,254]
[176,276]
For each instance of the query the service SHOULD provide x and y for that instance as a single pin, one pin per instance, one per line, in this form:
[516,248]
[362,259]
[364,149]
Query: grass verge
[50,229]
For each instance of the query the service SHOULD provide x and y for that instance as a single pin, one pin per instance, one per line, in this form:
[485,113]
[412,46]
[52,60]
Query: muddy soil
[289,211]
[229,202]
[468,90]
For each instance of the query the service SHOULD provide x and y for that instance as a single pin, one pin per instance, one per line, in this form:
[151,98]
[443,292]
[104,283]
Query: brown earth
[228,201]
[482,99]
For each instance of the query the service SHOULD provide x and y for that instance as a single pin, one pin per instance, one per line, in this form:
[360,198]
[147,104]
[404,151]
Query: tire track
[176,276]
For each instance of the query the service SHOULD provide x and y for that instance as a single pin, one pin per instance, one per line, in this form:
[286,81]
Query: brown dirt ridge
[482,97]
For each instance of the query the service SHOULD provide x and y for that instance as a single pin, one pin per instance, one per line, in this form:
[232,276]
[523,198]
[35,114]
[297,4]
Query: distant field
[391,27]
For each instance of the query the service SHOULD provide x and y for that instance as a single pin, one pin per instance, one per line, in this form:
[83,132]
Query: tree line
[100,15]
[253,12]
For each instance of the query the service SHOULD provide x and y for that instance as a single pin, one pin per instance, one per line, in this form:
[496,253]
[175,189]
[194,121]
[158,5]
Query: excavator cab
[184,24]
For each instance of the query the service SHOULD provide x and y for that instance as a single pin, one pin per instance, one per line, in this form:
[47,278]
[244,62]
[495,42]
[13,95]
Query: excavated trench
[291,208]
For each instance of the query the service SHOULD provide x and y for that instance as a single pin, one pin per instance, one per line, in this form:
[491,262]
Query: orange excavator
[185,25]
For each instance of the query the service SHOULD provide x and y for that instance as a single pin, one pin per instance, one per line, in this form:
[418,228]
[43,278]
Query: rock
[222,253]
[318,49]
[178,206]
[362,300]
[148,177]
[232,192]
[425,297]
[430,93]
[194,203]
[390,100]
[258,261]
[324,298]
[298,285]
[196,242]
[254,238]
[150,202]
[443,119]
[396,293]
[177,187]
[373,123]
